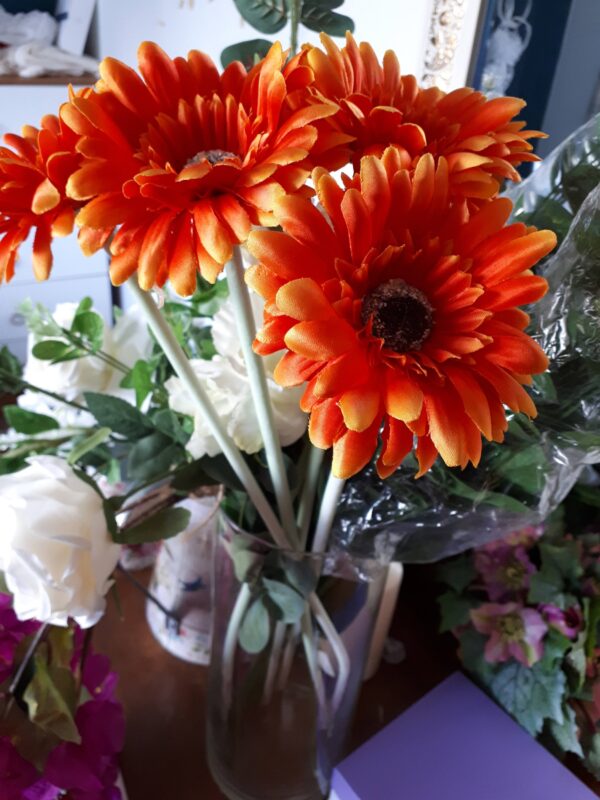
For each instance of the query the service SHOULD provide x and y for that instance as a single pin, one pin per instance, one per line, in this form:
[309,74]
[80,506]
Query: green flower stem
[174,353]
[309,492]
[240,298]
[295,6]
[22,384]
[33,645]
[106,357]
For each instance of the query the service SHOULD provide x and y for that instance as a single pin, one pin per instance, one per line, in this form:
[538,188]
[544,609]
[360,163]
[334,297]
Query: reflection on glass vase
[283,684]
[181,582]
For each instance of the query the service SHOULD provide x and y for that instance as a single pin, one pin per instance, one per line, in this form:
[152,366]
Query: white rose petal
[128,341]
[56,552]
[225,381]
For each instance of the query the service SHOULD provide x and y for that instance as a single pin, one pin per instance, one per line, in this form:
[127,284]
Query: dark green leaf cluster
[271,16]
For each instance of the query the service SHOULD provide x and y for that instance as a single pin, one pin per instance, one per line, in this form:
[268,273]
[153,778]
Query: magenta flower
[506,570]
[514,632]
[12,632]
[16,774]
[569,622]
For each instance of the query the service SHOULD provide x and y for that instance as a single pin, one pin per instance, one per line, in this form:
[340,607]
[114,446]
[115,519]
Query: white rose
[56,552]
[225,381]
[128,341]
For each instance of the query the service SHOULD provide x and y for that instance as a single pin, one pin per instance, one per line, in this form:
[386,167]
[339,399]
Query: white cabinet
[74,276]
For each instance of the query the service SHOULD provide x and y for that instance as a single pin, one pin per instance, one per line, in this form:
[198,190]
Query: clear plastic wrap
[521,481]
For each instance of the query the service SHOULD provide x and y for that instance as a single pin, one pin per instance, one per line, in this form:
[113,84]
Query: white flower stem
[229,647]
[288,656]
[240,298]
[309,492]
[339,649]
[179,361]
[331,498]
[274,660]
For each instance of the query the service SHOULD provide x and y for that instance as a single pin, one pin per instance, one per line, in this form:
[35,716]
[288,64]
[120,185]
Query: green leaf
[168,422]
[317,16]
[90,442]
[455,610]
[267,16]
[152,455]
[28,422]
[247,53]
[9,363]
[90,326]
[592,755]
[244,559]
[530,694]
[61,644]
[457,573]
[52,350]
[163,525]
[566,733]
[39,320]
[524,468]
[472,645]
[139,378]
[84,305]
[255,628]
[592,626]
[51,697]
[118,415]
[300,574]
[289,602]
[190,476]
[578,182]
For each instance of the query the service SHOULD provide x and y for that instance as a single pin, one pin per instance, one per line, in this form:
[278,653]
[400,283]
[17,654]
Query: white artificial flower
[226,383]
[128,341]
[56,552]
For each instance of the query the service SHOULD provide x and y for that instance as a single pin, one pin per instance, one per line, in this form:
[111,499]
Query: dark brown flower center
[401,315]
[212,156]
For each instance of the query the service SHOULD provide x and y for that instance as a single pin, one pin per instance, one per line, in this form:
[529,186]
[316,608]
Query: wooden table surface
[163,697]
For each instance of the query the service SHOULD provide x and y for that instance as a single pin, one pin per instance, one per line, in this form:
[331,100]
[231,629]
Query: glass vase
[181,582]
[282,684]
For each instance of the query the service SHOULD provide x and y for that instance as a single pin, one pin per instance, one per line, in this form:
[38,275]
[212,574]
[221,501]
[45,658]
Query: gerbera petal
[154,250]
[45,198]
[325,424]
[213,235]
[303,299]
[42,253]
[183,261]
[403,397]
[321,339]
[360,406]
[352,451]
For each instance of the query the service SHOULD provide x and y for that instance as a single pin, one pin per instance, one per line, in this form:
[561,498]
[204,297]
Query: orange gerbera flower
[185,160]
[33,177]
[380,107]
[401,313]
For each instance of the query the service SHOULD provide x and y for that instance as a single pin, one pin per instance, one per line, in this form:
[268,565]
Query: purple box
[454,744]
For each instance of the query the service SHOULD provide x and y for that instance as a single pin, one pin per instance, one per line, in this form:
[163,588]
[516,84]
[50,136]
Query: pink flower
[514,631]
[568,622]
[526,537]
[505,569]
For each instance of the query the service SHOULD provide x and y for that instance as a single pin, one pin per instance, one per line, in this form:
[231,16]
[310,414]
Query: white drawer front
[50,293]
[69,261]
[18,347]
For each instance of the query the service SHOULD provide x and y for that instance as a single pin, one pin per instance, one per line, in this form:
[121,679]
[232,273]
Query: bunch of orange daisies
[394,298]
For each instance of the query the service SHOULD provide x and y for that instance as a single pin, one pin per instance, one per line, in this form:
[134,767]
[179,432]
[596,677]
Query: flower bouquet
[526,612]
[390,303]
